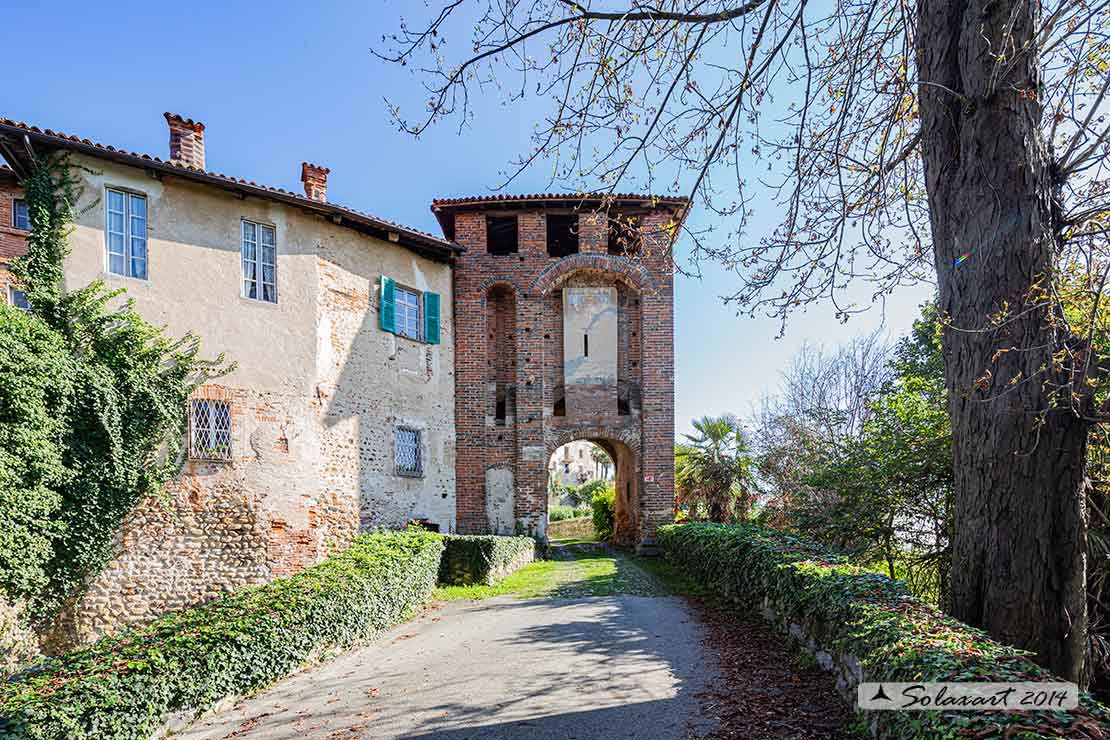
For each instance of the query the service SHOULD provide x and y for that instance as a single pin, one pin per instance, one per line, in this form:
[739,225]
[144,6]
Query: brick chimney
[315,179]
[186,141]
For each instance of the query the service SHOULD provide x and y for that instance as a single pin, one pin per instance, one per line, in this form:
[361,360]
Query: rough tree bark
[1018,565]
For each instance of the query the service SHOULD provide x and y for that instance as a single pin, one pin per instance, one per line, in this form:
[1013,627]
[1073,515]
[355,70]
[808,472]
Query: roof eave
[443,209]
[17,148]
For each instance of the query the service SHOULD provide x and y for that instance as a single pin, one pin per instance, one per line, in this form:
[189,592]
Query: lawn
[578,567]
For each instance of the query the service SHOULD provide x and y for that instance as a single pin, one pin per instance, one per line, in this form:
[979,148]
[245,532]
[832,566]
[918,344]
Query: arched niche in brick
[617,268]
[499,300]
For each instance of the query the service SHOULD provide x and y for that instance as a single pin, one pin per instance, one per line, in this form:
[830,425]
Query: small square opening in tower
[501,235]
[625,236]
[562,234]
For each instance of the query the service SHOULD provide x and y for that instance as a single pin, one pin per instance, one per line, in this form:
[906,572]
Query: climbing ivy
[852,611]
[110,412]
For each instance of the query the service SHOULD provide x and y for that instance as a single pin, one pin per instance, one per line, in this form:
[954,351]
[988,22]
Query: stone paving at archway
[635,663]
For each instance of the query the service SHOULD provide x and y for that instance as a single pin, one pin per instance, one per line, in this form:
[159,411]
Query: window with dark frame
[21,217]
[209,430]
[562,234]
[407,453]
[501,235]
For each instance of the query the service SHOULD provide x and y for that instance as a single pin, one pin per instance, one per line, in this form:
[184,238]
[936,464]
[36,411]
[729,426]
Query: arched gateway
[564,321]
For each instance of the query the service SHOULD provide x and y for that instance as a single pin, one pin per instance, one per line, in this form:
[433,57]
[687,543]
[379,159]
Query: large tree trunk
[1018,565]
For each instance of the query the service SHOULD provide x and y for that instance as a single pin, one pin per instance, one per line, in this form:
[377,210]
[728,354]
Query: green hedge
[483,558]
[123,687]
[604,513]
[851,611]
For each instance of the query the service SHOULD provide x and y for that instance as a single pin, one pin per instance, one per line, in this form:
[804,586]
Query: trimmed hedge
[483,558]
[850,611]
[123,687]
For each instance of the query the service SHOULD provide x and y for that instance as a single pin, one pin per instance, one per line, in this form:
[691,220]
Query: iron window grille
[126,234]
[407,452]
[259,262]
[210,430]
[21,217]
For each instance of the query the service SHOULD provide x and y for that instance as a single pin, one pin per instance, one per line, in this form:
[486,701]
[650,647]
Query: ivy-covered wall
[92,414]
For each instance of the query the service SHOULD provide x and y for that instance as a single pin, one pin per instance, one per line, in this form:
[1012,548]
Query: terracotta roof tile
[173,166]
[505,198]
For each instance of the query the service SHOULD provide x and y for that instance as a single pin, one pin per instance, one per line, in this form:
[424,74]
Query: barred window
[209,430]
[407,452]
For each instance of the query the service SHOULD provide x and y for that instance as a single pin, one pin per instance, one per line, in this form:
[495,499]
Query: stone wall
[580,527]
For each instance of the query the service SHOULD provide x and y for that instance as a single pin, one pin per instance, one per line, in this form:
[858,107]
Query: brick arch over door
[556,438]
[624,450]
[620,267]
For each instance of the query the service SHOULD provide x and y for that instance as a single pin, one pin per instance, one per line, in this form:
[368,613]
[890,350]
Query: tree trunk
[1018,562]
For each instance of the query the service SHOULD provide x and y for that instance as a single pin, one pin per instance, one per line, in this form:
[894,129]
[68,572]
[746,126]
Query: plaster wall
[315,396]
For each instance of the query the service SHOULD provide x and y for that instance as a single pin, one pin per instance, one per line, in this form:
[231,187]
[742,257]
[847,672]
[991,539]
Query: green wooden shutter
[389,307]
[431,318]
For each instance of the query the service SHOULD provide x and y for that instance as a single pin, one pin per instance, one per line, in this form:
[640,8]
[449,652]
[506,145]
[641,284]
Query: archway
[625,459]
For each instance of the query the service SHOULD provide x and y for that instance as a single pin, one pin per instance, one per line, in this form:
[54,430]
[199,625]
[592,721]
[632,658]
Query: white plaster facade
[316,395]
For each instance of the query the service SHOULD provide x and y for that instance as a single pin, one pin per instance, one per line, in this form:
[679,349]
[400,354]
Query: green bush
[587,491]
[482,558]
[853,611]
[604,513]
[122,687]
[559,513]
[92,412]
[36,383]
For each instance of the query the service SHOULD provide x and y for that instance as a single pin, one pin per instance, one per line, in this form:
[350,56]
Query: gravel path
[605,653]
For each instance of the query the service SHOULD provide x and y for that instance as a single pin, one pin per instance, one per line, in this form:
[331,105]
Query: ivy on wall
[92,409]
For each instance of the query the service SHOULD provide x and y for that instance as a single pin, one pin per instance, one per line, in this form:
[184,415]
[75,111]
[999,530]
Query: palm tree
[713,467]
[601,461]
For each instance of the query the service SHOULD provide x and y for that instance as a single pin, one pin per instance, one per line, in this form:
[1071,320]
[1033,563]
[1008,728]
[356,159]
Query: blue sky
[280,83]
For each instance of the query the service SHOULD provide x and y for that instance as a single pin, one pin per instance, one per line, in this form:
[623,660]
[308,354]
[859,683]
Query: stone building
[573,464]
[349,408]
[565,306]
[339,415]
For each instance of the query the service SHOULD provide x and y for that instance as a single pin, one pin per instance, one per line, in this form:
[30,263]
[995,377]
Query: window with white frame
[126,234]
[407,454]
[259,262]
[21,217]
[407,319]
[209,429]
[18,299]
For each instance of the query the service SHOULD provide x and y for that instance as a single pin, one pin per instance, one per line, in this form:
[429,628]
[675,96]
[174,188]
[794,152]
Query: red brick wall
[13,242]
[487,344]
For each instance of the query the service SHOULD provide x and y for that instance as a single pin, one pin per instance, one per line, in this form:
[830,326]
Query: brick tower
[564,330]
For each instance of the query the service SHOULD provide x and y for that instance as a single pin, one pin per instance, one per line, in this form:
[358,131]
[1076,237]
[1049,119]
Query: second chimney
[186,141]
[315,179]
